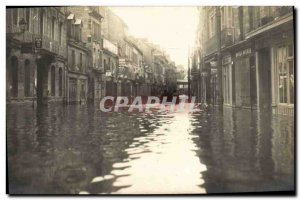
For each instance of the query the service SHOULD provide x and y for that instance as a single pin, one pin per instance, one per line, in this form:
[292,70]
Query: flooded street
[79,150]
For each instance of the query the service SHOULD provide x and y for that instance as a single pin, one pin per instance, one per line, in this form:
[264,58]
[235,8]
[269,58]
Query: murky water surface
[78,149]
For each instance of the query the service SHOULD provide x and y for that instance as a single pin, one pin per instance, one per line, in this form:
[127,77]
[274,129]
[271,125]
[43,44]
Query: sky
[173,28]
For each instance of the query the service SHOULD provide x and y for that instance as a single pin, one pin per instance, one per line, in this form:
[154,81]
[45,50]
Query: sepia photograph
[150,100]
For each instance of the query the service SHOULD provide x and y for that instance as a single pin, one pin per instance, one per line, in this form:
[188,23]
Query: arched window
[52,81]
[27,78]
[60,76]
[14,76]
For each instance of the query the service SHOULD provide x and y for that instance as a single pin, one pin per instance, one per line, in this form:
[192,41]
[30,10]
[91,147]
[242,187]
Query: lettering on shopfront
[243,53]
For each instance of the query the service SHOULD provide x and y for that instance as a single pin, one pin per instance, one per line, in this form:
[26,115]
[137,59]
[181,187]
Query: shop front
[245,78]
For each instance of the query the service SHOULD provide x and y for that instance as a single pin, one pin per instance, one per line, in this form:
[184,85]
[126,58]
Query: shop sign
[243,52]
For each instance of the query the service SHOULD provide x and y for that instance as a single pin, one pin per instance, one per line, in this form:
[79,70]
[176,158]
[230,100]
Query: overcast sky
[173,28]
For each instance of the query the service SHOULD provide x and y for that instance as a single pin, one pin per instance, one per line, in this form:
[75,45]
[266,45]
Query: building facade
[254,58]
[80,54]
[77,76]
[110,61]
[91,36]
[36,54]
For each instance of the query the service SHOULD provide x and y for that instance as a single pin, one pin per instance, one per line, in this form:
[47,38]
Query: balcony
[274,14]
[29,38]
[52,46]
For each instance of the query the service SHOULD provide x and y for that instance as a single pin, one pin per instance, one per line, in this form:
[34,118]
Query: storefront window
[291,81]
[285,64]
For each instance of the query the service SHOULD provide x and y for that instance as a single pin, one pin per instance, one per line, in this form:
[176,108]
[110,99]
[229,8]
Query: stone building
[130,68]
[36,54]
[91,36]
[255,57]
[160,63]
[110,61]
[77,77]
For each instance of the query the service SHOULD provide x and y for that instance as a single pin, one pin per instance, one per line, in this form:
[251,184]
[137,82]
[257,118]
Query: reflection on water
[77,149]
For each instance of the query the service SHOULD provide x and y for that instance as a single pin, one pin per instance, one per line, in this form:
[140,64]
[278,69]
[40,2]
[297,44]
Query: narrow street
[77,149]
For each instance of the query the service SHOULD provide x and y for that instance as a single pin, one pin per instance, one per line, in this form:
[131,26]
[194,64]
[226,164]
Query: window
[73,63]
[27,78]
[285,66]
[100,58]
[53,28]
[78,32]
[80,62]
[14,76]
[60,30]
[211,25]
[105,65]
[15,15]
[52,81]
[60,76]
[69,28]
[291,73]
[230,17]
[291,80]
[27,17]
[134,58]
[223,18]
[264,11]
[42,22]
[96,30]
[109,64]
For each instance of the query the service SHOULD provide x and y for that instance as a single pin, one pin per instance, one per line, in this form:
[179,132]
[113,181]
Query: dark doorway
[14,76]
[27,78]
[60,84]
[264,80]
[52,81]
[253,89]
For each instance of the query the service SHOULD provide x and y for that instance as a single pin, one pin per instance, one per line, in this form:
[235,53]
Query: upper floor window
[96,30]
[15,16]
[264,11]
[27,17]
[73,63]
[80,62]
[53,28]
[60,32]
[211,26]
[223,17]
[78,32]
[42,22]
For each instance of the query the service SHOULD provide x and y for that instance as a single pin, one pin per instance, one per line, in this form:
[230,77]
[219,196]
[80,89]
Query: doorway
[264,80]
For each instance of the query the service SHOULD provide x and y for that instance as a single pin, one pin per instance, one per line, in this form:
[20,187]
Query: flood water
[77,149]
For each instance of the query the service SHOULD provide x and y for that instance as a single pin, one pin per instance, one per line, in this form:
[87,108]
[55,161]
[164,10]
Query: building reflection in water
[245,151]
[77,149]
